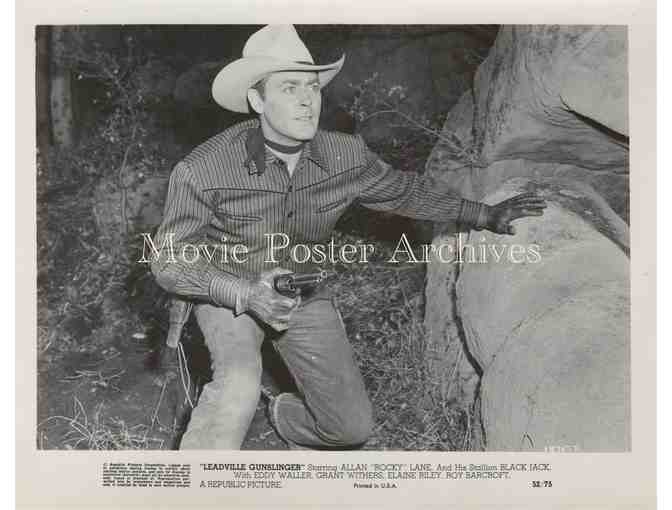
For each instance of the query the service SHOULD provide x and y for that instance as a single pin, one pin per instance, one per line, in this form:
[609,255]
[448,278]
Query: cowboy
[279,173]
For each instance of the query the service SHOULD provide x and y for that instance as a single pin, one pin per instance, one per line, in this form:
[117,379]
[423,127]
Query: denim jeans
[331,408]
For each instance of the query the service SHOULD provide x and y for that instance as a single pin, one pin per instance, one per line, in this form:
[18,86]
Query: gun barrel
[300,279]
[291,283]
[312,278]
[327,273]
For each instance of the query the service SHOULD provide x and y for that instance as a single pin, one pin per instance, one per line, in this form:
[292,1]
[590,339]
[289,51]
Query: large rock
[553,97]
[551,332]
[554,94]
[548,112]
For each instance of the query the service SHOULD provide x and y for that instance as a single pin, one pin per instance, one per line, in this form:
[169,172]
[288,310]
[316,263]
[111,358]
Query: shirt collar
[314,154]
[258,157]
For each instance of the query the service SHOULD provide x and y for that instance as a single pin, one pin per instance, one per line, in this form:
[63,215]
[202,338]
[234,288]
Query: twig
[120,181]
[156,409]
[467,435]
[418,125]
[451,377]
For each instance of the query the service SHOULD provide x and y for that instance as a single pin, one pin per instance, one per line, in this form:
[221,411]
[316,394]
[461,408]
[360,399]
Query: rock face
[548,324]
[547,338]
[554,94]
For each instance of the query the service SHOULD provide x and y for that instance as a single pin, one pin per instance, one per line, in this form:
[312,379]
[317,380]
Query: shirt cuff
[231,292]
[474,215]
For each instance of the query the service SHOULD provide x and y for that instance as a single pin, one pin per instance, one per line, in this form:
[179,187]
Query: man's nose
[306,96]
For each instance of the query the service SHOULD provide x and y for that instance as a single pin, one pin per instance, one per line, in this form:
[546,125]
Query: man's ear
[256,102]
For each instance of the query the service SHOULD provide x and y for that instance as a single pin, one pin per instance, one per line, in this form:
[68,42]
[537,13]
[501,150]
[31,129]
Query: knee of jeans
[245,382]
[239,369]
[354,428]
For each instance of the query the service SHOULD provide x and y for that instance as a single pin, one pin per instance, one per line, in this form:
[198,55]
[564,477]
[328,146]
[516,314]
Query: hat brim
[230,86]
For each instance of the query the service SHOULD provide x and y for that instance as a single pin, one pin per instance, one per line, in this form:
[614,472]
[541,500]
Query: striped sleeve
[177,268]
[417,196]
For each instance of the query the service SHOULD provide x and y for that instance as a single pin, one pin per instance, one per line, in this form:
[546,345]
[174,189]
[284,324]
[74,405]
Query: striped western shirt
[232,191]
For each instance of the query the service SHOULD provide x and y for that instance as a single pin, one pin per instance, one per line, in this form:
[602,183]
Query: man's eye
[290,89]
[315,87]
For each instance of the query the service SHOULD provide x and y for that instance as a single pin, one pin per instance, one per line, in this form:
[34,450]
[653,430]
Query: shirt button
[291,188]
[290,214]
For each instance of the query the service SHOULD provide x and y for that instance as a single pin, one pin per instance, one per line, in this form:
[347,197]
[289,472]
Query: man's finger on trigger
[280,309]
[284,319]
[288,303]
[281,315]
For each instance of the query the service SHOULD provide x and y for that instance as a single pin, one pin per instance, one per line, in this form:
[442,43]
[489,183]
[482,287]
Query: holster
[177,318]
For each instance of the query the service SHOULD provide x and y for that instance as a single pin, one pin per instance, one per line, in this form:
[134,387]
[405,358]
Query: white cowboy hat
[273,48]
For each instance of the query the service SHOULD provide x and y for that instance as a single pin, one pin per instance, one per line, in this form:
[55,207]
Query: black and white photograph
[333,237]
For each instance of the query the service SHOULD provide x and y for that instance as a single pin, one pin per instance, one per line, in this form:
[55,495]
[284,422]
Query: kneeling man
[276,174]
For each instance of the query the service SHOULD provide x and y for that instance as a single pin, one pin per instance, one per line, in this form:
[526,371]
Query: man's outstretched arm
[427,198]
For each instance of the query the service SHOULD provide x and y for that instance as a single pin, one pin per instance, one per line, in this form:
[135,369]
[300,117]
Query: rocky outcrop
[548,340]
[554,94]
[548,324]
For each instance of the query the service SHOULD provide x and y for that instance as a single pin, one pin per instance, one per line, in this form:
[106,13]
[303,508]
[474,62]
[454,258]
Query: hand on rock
[502,214]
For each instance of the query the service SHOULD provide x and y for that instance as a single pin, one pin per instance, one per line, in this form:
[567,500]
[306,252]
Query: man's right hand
[271,307]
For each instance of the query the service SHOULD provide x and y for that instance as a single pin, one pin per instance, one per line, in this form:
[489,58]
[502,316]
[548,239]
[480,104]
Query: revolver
[292,284]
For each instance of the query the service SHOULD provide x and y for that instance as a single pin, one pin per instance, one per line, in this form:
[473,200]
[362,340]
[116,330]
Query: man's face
[290,108]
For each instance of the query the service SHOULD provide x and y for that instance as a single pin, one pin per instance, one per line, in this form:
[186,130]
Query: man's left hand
[502,214]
